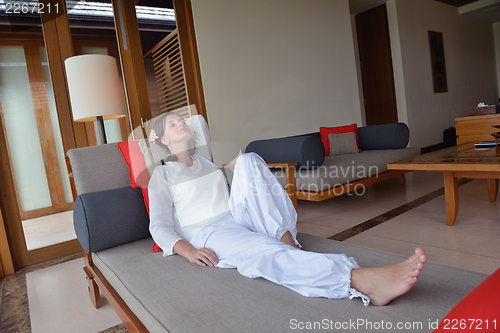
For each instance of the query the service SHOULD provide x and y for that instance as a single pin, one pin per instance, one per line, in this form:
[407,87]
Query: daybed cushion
[98,168]
[340,169]
[306,150]
[109,218]
[387,136]
[170,294]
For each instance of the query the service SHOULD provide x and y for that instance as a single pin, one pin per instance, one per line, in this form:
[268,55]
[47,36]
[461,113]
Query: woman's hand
[202,257]
[152,136]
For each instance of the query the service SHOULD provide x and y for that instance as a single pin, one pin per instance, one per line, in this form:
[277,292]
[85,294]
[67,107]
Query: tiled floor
[388,216]
[471,243]
[48,230]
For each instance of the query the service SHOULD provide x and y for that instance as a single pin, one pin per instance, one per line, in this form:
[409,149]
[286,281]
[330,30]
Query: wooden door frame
[46,133]
[9,204]
[189,53]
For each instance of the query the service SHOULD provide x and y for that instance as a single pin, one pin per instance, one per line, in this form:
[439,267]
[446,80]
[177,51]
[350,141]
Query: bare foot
[287,239]
[383,284]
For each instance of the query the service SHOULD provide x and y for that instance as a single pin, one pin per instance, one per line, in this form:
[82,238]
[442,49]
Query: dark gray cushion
[388,136]
[109,218]
[307,150]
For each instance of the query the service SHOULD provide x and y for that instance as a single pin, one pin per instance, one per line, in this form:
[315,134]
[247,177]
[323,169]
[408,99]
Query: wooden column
[189,54]
[59,46]
[132,62]
[9,206]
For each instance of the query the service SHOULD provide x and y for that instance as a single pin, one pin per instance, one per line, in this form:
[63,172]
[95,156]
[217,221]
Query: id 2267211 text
[26,7]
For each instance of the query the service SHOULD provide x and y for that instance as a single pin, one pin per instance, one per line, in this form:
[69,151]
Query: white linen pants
[249,239]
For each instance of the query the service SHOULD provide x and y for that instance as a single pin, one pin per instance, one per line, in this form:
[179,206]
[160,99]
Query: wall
[470,66]
[276,68]
[496,33]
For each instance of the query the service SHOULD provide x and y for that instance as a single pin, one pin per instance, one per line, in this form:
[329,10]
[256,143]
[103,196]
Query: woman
[253,229]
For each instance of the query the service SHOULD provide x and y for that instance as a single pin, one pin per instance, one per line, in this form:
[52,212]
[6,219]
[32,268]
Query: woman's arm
[161,224]
[201,136]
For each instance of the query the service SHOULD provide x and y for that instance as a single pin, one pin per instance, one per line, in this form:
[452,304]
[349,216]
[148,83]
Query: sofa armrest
[387,136]
[307,150]
[110,218]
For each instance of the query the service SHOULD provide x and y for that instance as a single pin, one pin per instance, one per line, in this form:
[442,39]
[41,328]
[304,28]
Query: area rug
[59,302]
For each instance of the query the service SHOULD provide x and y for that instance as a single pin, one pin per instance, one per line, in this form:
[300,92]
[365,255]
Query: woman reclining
[252,229]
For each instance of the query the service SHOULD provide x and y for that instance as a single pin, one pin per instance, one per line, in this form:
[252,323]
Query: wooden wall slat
[169,74]
[132,63]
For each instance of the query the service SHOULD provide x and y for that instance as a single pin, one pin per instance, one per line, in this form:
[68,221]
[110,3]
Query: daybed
[152,293]
[318,177]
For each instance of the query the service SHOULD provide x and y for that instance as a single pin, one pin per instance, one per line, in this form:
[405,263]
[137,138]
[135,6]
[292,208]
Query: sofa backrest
[98,168]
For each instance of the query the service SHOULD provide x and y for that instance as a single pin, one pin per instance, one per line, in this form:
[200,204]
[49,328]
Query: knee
[250,158]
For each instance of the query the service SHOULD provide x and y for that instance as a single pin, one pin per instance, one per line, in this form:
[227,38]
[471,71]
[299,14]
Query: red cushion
[324,131]
[139,175]
[478,310]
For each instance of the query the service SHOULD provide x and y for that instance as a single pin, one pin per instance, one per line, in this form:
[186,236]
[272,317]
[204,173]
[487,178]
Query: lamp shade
[94,87]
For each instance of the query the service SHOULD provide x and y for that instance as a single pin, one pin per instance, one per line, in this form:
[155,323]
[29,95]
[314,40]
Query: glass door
[30,120]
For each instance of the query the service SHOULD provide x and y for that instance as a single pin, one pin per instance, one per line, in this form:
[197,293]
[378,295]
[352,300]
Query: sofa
[152,293]
[317,176]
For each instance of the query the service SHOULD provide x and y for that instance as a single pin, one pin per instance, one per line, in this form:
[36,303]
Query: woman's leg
[258,255]
[258,201]
[308,273]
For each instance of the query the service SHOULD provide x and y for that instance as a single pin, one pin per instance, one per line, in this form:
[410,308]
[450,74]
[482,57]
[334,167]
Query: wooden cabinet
[476,128]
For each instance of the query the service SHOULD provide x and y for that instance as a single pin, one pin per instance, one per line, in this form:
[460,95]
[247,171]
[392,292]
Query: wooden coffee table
[462,161]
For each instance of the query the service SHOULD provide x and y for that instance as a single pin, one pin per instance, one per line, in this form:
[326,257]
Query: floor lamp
[95,89]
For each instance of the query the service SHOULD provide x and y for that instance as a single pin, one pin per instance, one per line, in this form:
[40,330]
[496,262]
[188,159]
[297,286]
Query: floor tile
[316,230]
[391,193]
[48,230]
[435,254]
[471,235]
[477,188]
[470,206]
[348,215]
[59,301]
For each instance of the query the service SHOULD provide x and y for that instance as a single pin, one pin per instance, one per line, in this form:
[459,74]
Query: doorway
[376,66]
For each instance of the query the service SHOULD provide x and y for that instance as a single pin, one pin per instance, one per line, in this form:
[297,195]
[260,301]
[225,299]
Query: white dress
[244,228]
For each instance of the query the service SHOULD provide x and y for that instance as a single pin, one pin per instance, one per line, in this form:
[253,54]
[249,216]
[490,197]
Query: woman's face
[176,130]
